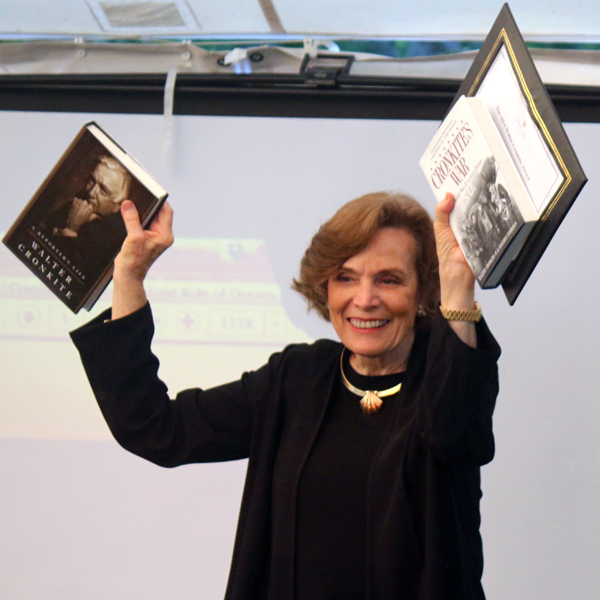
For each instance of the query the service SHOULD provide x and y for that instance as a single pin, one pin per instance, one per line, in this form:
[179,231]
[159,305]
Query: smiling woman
[373,303]
[349,232]
[339,502]
[375,260]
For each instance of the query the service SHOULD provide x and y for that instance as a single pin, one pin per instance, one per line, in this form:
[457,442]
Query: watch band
[462,315]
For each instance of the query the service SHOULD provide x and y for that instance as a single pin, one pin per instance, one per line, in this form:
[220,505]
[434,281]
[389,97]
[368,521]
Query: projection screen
[82,518]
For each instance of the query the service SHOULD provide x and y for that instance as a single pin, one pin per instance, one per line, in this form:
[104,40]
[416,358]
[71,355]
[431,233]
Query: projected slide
[202,291]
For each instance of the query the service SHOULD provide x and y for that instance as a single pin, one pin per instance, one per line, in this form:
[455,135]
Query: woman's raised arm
[457,282]
[139,251]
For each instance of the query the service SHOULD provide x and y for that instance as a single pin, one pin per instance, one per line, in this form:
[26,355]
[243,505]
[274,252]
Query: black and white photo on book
[488,217]
[71,230]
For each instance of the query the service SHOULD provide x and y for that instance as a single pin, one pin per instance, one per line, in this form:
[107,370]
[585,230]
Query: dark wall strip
[251,95]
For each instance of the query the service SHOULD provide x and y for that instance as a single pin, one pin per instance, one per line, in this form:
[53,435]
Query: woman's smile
[371,324]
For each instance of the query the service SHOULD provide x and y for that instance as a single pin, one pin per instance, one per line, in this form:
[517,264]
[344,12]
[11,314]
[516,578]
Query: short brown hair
[350,231]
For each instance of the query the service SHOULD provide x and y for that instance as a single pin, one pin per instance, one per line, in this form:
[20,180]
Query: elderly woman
[363,475]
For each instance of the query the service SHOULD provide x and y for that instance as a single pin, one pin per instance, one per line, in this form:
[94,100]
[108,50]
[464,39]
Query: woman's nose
[366,295]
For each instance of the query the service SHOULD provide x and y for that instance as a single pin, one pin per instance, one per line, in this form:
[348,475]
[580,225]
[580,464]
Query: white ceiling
[576,20]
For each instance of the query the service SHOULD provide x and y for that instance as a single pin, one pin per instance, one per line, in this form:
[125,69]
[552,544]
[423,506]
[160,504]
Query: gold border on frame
[503,38]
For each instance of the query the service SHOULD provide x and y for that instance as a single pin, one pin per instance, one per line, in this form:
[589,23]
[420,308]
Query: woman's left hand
[457,282]
[456,277]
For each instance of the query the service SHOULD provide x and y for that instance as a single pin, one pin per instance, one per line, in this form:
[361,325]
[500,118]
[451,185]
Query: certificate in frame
[556,172]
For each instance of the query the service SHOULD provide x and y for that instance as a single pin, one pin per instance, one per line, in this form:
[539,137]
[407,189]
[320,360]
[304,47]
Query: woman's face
[373,298]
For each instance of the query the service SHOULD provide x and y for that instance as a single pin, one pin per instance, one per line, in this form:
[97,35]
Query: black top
[423,490]
[332,493]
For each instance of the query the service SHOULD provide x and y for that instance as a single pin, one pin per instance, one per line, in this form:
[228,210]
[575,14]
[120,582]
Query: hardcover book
[493,212]
[70,232]
[504,79]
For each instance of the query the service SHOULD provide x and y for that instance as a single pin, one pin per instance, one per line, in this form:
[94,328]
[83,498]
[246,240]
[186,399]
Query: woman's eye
[342,277]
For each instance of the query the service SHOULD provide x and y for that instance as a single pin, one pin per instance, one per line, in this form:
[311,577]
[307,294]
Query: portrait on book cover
[79,210]
[490,219]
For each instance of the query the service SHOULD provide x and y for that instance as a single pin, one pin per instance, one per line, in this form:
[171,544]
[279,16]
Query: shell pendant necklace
[371,400]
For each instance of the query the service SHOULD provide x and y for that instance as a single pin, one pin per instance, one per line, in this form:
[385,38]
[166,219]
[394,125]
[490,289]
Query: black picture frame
[505,32]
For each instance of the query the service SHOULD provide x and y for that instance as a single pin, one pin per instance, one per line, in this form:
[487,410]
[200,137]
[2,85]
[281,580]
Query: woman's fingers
[130,217]
[444,237]
[456,277]
[143,246]
[162,226]
[444,208]
[164,219]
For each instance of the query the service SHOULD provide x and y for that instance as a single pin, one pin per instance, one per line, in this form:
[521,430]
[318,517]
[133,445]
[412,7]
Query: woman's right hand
[139,251]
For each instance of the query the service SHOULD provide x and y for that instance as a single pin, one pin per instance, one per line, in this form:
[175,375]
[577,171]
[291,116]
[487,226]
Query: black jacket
[423,540]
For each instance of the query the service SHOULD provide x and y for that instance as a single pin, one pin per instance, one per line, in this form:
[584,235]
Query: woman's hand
[139,251]
[457,282]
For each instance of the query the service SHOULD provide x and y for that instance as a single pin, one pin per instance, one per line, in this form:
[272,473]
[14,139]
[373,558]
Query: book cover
[71,230]
[504,77]
[468,158]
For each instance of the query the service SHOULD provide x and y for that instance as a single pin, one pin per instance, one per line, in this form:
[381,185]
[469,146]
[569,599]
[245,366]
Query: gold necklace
[371,400]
